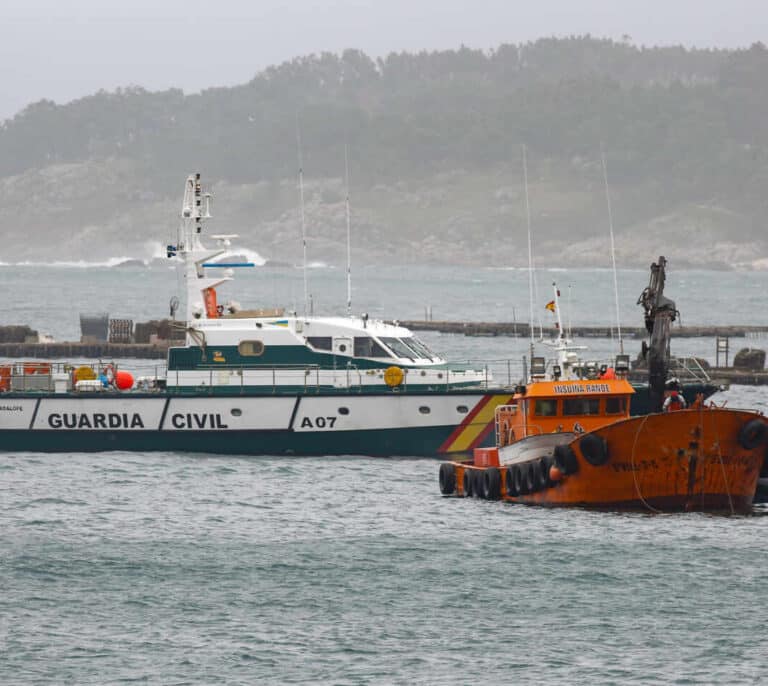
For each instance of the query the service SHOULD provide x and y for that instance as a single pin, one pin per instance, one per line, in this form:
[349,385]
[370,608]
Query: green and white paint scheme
[264,382]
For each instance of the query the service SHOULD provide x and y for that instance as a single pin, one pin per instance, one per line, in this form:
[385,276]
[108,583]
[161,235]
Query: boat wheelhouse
[230,348]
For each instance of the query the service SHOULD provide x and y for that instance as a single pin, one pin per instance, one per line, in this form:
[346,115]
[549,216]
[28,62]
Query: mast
[530,248]
[613,249]
[195,210]
[557,313]
[349,232]
[303,220]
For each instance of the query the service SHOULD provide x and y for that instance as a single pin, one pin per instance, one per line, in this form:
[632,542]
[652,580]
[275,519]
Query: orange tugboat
[571,441]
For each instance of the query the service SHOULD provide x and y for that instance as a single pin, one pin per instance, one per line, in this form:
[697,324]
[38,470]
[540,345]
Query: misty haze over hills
[434,144]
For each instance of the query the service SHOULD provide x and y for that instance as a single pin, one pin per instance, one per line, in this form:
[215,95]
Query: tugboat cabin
[562,406]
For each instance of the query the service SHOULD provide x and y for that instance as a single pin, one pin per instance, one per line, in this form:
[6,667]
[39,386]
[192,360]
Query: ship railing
[690,368]
[493,372]
[307,376]
[50,377]
[313,378]
[504,431]
[351,372]
[531,430]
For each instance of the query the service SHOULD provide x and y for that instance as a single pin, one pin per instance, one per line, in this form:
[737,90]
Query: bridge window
[545,407]
[250,348]
[365,346]
[419,348]
[581,406]
[615,405]
[320,342]
[399,348]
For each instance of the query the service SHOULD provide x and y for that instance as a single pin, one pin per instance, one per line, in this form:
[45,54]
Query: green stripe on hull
[412,442]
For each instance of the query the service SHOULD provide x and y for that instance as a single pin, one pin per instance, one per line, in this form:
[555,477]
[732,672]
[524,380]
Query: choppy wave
[74,264]
[154,252]
[249,255]
[343,587]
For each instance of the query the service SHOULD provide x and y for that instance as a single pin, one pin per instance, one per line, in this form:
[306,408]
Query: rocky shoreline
[93,212]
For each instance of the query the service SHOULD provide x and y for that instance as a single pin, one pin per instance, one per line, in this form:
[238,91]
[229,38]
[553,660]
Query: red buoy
[123,380]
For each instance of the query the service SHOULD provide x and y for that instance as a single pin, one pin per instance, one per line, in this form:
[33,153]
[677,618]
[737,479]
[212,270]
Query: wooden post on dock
[721,346]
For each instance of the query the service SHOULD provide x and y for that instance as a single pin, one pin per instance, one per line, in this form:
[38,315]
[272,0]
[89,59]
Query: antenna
[613,248]
[557,313]
[530,249]
[349,232]
[303,220]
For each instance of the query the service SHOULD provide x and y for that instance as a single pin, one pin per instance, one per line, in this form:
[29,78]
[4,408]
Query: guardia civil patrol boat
[254,381]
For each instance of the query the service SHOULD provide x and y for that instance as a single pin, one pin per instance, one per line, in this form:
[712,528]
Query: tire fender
[510,481]
[565,459]
[467,483]
[447,478]
[492,483]
[594,448]
[752,434]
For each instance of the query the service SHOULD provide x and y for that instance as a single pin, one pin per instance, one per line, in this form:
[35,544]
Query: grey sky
[64,49]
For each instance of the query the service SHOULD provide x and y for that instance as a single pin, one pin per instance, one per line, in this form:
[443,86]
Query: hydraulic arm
[660,312]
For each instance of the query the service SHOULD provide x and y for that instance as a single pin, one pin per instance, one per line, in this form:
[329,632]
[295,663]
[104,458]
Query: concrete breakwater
[155,351]
[742,372]
[522,330]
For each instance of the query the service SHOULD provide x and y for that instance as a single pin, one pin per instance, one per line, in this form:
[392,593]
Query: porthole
[236,412]
[250,348]
[440,375]
[463,409]
[342,348]
[424,409]
[423,373]
[343,410]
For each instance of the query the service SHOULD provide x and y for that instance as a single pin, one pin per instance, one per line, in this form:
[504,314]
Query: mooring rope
[720,456]
[634,473]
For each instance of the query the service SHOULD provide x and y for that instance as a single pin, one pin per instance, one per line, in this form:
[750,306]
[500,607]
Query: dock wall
[520,329]
[85,350]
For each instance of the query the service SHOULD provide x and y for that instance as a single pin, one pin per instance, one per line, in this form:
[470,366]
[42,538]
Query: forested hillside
[434,144]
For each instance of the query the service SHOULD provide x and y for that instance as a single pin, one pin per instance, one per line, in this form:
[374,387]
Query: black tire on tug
[447,478]
[544,464]
[752,434]
[530,476]
[478,486]
[520,486]
[510,481]
[595,449]
[565,459]
[467,483]
[492,483]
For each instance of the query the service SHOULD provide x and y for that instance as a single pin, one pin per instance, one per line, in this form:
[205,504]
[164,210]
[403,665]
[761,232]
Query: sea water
[170,568]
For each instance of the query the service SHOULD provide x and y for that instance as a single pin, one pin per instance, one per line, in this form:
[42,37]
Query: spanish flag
[550,306]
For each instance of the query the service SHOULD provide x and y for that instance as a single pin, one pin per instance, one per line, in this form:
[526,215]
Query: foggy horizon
[63,54]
